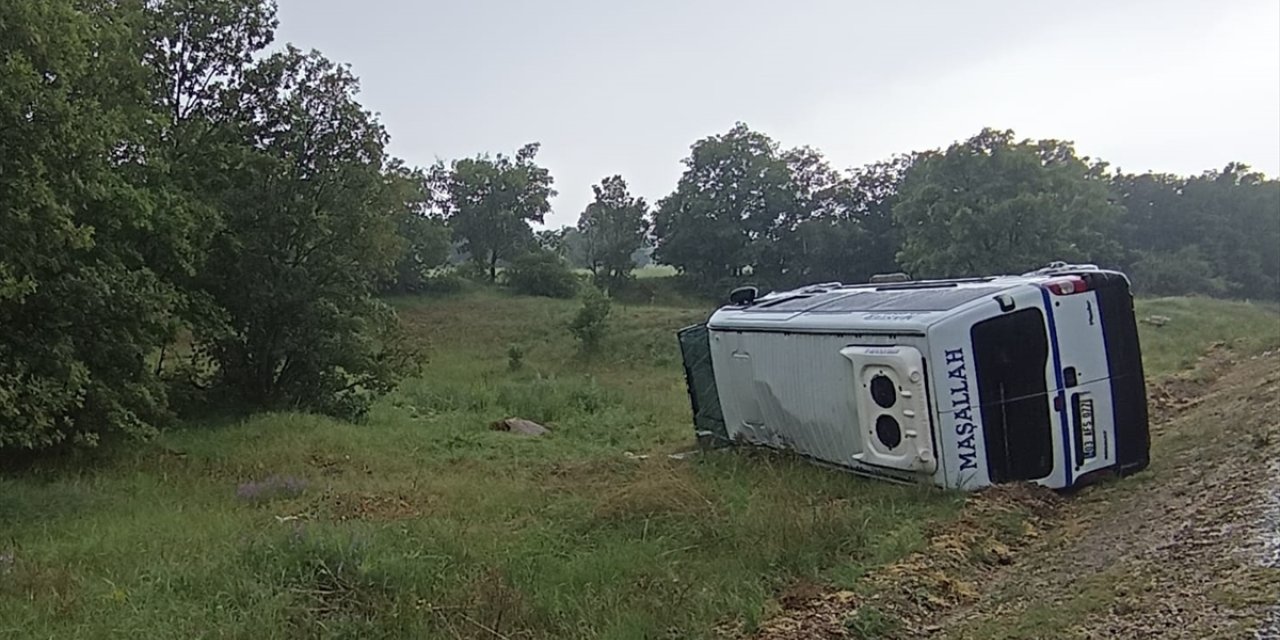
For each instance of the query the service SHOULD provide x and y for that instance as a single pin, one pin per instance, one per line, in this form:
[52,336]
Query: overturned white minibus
[963,383]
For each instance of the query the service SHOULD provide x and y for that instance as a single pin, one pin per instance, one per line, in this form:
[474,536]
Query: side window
[1010,355]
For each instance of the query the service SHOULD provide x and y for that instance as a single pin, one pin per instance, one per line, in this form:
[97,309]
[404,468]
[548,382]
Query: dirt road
[1188,549]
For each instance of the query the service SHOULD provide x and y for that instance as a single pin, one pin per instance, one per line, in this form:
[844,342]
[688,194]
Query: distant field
[424,523]
[655,271]
[646,272]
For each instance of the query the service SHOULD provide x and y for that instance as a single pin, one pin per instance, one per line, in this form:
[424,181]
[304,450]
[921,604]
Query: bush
[592,321]
[1176,273]
[542,273]
[470,271]
[443,283]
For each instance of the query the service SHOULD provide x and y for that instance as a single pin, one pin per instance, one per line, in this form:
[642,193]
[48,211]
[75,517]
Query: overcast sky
[612,87]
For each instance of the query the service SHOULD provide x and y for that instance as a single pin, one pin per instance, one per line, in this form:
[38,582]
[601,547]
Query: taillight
[1067,286]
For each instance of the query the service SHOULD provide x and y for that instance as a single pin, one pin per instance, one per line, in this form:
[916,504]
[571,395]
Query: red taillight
[1067,286]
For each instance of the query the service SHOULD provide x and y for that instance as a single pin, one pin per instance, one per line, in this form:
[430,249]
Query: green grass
[646,272]
[1195,324]
[654,271]
[424,523]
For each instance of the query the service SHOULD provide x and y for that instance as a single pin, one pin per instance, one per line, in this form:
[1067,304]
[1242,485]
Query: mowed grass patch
[423,522]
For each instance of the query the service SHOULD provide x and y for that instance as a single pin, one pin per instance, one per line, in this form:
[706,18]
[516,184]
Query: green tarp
[708,420]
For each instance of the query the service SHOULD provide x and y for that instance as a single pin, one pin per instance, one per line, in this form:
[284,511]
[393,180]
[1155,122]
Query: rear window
[1010,355]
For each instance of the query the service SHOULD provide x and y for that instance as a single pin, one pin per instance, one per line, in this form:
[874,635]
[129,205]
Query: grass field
[422,522]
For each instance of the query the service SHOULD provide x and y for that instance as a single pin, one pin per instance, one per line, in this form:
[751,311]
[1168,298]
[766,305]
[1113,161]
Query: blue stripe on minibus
[1060,404]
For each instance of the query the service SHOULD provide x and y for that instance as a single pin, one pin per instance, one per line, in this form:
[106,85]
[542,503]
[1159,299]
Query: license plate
[1088,439]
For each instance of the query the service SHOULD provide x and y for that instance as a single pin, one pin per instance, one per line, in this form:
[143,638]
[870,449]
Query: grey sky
[611,87]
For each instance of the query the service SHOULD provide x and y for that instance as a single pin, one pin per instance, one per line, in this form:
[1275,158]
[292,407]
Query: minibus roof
[901,307]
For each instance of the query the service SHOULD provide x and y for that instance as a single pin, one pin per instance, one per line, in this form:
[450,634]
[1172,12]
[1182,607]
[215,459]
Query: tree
[553,240]
[850,235]
[806,220]
[307,232]
[81,303]
[541,273]
[1239,232]
[1173,273]
[1216,233]
[490,201]
[197,53]
[591,323]
[993,205]
[424,238]
[613,227]
[733,192]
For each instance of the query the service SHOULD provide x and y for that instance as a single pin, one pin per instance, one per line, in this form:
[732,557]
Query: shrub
[1175,273]
[469,271]
[592,321]
[443,283]
[542,273]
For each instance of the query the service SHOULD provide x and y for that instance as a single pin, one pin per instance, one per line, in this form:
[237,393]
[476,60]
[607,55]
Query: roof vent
[743,296]
[880,278]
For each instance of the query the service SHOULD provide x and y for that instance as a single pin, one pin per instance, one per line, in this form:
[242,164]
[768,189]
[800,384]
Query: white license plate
[1088,439]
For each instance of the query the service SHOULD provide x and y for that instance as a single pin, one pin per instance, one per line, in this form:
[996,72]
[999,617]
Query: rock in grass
[520,426]
[1155,321]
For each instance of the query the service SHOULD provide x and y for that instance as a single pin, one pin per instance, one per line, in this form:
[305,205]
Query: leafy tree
[81,303]
[424,238]
[992,205]
[591,323]
[490,201]
[1240,232]
[541,273]
[734,190]
[798,244]
[573,247]
[1172,273]
[198,53]
[851,235]
[552,240]
[307,232]
[613,228]
[1216,233]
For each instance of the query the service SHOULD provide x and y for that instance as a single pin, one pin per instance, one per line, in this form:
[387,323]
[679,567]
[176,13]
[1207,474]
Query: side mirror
[743,296]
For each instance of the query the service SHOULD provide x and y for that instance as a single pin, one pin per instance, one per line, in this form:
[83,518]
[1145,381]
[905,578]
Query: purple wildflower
[272,488]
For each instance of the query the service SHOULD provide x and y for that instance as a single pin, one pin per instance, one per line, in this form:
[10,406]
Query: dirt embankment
[1188,549]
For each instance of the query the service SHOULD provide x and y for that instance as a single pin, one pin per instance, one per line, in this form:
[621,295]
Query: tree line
[746,209]
[190,215]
